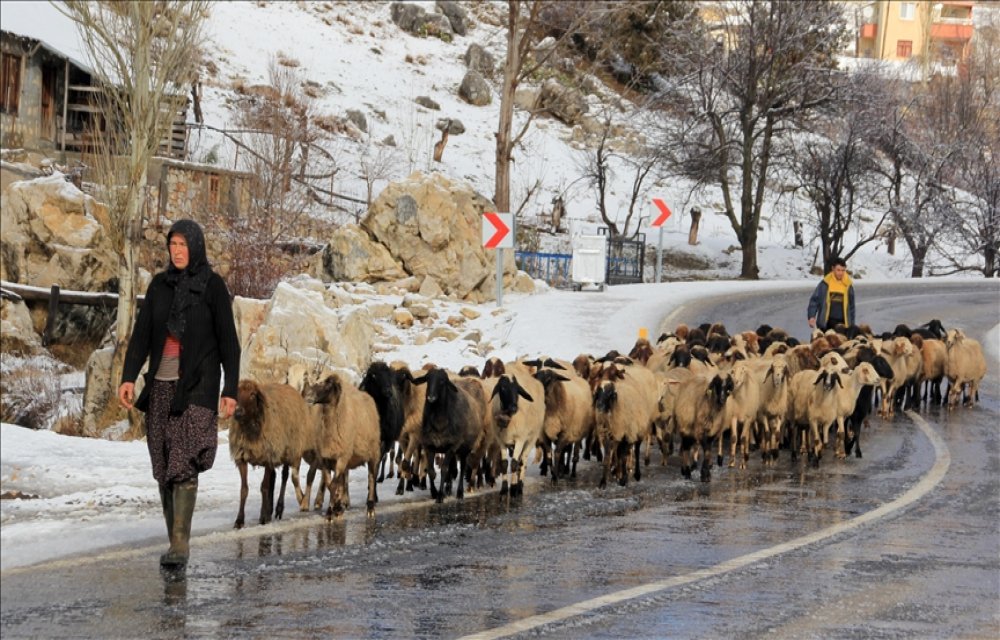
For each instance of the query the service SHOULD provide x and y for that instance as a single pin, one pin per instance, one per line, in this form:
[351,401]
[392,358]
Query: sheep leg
[686,443]
[244,491]
[462,464]
[267,494]
[706,466]
[745,443]
[372,492]
[575,458]
[606,466]
[519,463]
[635,456]
[734,438]
[279,507]
[841,451]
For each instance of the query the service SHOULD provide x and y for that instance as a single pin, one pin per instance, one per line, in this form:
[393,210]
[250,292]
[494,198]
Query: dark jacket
[819,303]
[209,341]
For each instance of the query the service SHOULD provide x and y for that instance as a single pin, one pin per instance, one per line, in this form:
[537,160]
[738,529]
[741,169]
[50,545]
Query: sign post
[658,223]
[498,234]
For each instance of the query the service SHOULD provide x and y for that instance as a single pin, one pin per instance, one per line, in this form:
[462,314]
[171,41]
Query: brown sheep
[272,427]
[935,358]
[347,436]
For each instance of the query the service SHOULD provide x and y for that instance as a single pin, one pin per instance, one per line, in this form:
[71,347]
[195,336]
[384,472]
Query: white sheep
[518,408]
[773,378]
[741,409]
[347,436]
[966,366]
[698,417]
[569,417]
[815,405]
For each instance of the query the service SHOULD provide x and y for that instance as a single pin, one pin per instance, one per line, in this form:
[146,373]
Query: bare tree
[602,164]
[524,29]
[279,139]
[836,170]
[746,79]
[143,55]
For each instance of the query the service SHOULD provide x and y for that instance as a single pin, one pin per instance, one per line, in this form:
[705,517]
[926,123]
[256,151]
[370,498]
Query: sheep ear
[770,373]
[836,379]
[420,380]
[549,362]
[820,378]
[536,363]
[496,391]
[524,394]
[451,385]
[258,399]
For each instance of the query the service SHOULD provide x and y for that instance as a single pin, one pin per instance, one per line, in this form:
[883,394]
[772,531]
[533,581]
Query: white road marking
[923,487]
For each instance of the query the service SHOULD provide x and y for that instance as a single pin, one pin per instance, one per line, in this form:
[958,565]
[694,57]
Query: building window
[10,83]
[213,191]
[904,48]
[907,10]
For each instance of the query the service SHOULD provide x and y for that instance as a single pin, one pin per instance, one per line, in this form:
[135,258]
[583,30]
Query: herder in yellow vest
[832,302]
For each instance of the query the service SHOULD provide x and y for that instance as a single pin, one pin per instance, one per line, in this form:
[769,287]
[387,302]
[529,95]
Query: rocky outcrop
[433,227]
[53,234]
[352,256]
[304,328]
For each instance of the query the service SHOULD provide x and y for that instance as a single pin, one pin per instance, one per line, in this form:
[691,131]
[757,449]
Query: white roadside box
[590,256]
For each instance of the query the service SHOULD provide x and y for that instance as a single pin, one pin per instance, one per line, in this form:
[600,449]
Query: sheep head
[605,396]
[507,391]
[250,405]
[438,385]
[325,391]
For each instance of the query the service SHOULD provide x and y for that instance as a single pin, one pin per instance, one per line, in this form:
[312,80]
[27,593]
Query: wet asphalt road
[904,543]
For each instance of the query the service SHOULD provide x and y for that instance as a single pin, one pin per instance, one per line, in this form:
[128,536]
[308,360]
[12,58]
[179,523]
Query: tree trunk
[750,271]
[919,256]
[695,222]
[439,146]
[891,244]
[799,242]
[511,68]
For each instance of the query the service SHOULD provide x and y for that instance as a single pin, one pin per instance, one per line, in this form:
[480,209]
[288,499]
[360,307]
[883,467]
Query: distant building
[933,32]
[47,89]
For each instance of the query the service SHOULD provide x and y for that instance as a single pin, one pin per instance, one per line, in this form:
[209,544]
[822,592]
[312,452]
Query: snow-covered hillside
[361,60]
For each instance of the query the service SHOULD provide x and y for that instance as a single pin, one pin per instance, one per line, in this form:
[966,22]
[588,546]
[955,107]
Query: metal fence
[625,258]
[553,268]
[624,263]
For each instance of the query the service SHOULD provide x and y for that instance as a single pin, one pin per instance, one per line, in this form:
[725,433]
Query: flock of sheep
[761,388]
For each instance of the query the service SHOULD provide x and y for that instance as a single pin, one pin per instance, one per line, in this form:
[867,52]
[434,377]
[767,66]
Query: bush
[31,394]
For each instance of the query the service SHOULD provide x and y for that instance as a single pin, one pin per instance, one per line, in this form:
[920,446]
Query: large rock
[302,332]
[479,59]
[474,89]
[415,20]
[565,104]
[433,226]
[455,14]
[352,256]
[52,235]
[17,333]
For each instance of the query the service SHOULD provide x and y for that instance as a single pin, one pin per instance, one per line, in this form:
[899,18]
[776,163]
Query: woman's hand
[126,394]
[227,406]
[812,323]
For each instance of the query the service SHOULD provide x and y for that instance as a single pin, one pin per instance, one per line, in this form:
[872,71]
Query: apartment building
[900,30]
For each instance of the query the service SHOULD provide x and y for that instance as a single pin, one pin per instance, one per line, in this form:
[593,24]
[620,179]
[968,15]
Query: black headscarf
[189,283]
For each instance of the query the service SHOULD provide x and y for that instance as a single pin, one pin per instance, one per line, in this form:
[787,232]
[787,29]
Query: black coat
[209,341]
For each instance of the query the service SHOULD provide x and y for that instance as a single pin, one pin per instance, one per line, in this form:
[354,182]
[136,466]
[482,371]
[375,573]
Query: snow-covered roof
[43,22]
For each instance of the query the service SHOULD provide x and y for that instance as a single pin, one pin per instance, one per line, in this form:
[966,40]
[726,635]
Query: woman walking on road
[186,330]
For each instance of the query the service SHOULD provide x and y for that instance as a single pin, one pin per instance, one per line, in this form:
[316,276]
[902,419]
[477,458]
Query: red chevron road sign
[664,212]
[496,230]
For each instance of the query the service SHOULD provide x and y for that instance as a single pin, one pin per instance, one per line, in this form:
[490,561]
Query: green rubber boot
[184,495]
[167,500]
